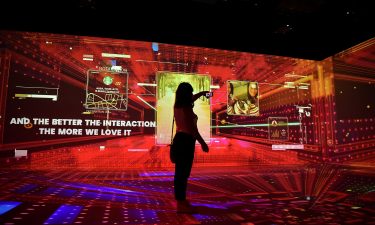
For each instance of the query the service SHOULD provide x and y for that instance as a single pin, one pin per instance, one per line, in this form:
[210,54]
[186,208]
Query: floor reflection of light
[6,206]
[214,206]
[26,188]
[145,186]
[117,198]
[98,188]
[65,214]
[61,192]
[156,173]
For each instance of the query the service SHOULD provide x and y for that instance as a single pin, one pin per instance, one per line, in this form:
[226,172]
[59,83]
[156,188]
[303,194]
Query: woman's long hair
[231,89]
[253,99]
[184,94]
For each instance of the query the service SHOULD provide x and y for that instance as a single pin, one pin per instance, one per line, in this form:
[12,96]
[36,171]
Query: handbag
[172,147]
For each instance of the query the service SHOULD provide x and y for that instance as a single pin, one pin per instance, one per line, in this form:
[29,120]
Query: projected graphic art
[107,90]
[85,124]
[243,98]
[167,85]
[24,92]
[278,128]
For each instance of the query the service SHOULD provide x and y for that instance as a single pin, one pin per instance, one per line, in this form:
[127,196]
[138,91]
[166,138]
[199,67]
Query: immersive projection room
[86,124]
[99,128]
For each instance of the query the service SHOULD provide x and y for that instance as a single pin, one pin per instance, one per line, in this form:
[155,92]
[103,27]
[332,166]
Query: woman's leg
[182,173]
[183,165]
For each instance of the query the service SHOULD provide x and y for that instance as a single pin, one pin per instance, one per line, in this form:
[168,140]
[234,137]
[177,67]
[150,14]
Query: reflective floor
[238,182]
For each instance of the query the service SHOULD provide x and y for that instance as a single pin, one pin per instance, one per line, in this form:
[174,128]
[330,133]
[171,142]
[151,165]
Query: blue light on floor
[59,192]
[93,187]
[143,215]
[201,217]
[163,179]
[156,174]
[26,188]
[234,203]
[118,198]
[5,206]
[65,214]
[214,206]
[213,219]
[148,186]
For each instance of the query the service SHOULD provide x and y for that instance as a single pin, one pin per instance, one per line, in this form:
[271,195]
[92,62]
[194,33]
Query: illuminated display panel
[109,90]
[167,86]
[243,98]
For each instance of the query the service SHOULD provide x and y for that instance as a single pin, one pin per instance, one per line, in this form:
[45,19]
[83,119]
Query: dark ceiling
[311,29]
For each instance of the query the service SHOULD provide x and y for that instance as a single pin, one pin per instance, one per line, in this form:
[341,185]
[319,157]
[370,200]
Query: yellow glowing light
[167,83]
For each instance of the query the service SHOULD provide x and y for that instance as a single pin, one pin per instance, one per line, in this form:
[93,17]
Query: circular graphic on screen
[107,80]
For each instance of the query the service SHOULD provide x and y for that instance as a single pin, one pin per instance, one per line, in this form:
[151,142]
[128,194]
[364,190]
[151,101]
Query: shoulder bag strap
[172,129]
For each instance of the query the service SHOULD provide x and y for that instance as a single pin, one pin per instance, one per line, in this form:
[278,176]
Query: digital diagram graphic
[107,90]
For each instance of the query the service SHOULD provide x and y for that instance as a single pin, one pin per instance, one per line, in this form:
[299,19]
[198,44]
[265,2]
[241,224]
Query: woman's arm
[201,141]
[198,95]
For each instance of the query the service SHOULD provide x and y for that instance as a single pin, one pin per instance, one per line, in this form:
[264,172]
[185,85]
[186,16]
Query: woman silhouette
[186,135]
